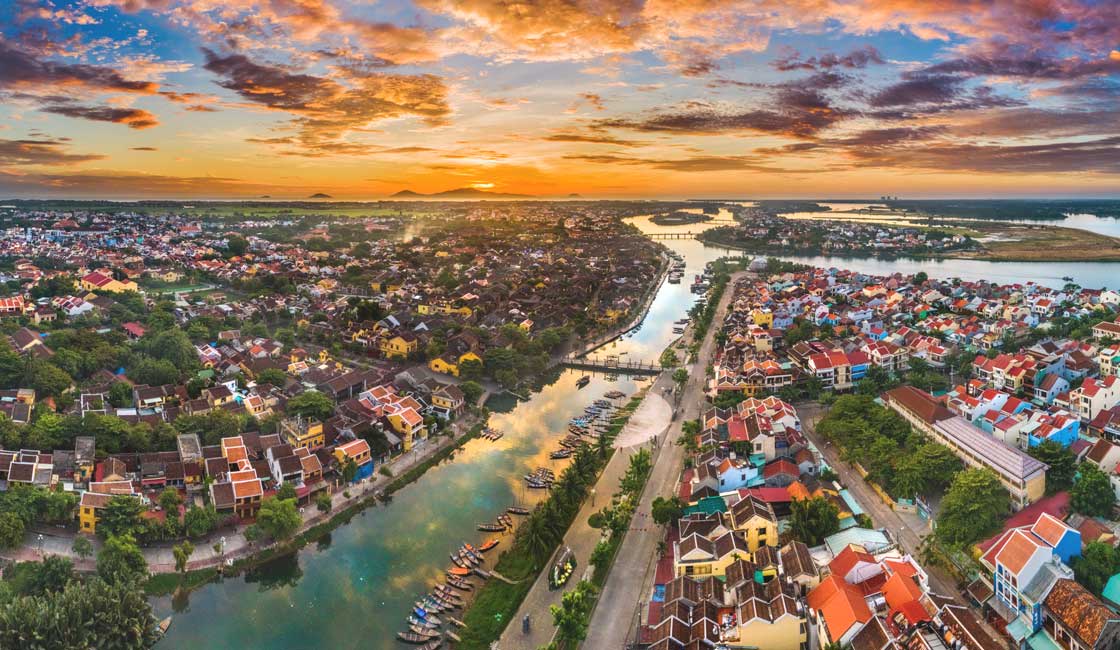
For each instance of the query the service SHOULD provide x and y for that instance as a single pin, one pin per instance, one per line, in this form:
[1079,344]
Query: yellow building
[755,519]
[399,346]
[98,281]
[700,557]
[96,498]
[300,432]
[763,317]
[444,365]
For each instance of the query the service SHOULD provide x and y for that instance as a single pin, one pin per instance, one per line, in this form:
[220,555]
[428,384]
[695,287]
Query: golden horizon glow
[605,98]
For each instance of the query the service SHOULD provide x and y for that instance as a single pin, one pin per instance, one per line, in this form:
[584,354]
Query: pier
[612,365]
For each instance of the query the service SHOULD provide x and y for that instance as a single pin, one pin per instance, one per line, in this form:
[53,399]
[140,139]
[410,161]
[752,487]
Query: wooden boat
[412,637]
[459,571]
[489,545]
[432,645]
[517,510]
[428,606]
[583,381]
[456,561]
[461,585]
[424,632]
[454,637]
[163,625]
[421,622]
[492,528]
[456,622]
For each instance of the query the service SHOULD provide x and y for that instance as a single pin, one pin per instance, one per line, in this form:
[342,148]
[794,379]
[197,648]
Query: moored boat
[491,528]
[412,637]
[489,545]
[517,510]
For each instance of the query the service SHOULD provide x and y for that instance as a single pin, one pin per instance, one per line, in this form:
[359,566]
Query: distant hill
[460,193]
[320,195]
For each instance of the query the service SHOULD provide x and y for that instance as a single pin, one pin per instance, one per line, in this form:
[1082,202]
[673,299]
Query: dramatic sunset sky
[607,98]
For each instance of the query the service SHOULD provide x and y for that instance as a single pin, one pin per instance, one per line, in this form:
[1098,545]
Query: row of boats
[541,478]
[504,523]
[433,610]
[676,271]
[492,434]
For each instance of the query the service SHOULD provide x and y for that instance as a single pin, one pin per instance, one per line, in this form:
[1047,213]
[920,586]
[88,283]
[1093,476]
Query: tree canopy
[812,520]
[1093,494]
[973,508]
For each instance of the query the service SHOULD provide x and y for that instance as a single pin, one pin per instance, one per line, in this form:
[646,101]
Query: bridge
[672,235]
[612,365]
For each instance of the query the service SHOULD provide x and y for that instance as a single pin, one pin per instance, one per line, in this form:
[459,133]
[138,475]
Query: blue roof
[1111,590]
[851,502]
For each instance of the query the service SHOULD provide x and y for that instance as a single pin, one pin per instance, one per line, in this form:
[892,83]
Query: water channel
[354,588]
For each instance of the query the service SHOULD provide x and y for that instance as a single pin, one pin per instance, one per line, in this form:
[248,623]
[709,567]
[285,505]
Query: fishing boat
[459,571]
[456,561]
[412,637]
[583,381]
[561,455]
[489,544]
[517,510]
[413,620]
[432,645]
[491,528]
[505,520]
[456,622]
[454,637]
[461,585]
[428,606]
[422,631]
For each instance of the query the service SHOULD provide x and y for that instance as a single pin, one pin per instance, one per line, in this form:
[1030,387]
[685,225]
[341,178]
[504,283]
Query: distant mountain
[460,193]
[265,196]
[320,195]
[575,195]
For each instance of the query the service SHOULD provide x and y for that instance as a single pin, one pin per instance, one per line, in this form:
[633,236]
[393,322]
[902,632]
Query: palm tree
[536,538]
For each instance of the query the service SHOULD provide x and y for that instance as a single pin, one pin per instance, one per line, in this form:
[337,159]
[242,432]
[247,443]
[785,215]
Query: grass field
[1030,243]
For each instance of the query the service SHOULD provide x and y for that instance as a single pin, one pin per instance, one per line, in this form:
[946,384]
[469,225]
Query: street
[616,616]
[906,528]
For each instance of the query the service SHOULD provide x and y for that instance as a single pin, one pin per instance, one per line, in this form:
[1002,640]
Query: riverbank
[647,302]
[212,559]
[998,242]
[496,603]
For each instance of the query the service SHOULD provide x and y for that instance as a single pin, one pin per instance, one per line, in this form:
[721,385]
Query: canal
[355,587]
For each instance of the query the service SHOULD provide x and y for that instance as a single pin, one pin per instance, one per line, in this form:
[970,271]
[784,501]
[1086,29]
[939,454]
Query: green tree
[121,516]
[11,530]
[120,394]
[973,507]
[472,390]
[273,376]
[311,404]
[680,376]
[46,378]
[668,510]
[121,561]
[237,246]
[81,546]
[170,500]
[182,553]
[571,616]
[811,520]
[601,555]
[1093,494]
[287,491]
[1062,464]
[199,521]
[669,358]
[323,502]
[90,614]
[155,372]
[1098,563]
[279,517]
[349,470]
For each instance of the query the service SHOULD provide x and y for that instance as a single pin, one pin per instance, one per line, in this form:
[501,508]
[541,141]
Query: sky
[605,98]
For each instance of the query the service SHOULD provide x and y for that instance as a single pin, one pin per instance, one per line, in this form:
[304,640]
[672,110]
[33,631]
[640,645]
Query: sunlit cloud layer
[605,98]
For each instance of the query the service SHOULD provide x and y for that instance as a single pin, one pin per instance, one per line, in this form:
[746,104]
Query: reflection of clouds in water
[388,556]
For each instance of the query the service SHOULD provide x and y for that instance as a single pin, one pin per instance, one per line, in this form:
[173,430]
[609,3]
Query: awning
[1018,629]
[1041,641]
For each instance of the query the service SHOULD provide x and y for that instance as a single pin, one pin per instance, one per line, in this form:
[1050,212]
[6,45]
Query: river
[355,587]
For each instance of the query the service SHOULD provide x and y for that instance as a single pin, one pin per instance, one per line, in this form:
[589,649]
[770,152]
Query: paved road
[906,528]
[653,416]
[628,587]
